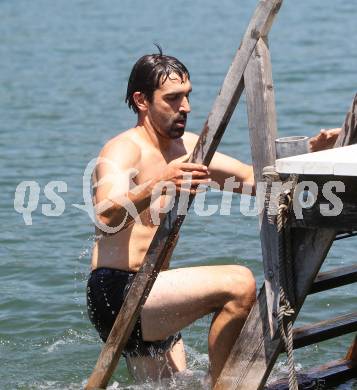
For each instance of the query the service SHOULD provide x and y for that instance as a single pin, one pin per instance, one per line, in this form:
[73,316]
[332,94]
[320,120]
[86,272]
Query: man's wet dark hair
[149,72]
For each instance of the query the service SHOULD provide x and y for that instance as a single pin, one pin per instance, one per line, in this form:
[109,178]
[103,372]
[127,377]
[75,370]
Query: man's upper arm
[223,167]
[115,168]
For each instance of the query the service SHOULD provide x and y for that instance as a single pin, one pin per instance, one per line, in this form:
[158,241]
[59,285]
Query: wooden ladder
[259,344]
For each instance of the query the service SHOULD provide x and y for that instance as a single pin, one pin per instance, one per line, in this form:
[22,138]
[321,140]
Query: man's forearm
[121,209]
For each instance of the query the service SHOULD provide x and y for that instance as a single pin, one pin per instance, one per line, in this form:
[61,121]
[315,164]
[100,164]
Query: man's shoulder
[121,146]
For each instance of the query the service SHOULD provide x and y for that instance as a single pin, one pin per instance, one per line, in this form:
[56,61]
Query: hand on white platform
[324,140]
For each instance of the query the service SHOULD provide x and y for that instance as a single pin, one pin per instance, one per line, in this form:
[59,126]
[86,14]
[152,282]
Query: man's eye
[172,97]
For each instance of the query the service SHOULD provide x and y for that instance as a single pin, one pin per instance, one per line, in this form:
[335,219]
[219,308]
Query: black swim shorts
[106,290]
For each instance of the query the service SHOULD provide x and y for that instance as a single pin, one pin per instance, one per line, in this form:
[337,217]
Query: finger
[194,174]
[333,132]
[192,166]
[201,175]
[183,158]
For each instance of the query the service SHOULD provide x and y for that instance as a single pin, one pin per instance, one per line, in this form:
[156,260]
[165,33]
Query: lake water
[63,73]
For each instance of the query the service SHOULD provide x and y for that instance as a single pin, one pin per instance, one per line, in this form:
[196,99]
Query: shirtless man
[156,150]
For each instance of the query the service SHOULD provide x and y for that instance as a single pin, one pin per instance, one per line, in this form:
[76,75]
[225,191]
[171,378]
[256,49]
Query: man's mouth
[181,122]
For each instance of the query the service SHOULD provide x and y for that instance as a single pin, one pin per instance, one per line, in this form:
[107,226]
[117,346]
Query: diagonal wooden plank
[161,245]
[259,89]
[255,352]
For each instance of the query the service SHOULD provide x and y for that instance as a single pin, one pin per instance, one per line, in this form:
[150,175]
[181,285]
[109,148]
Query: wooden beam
[335,372]
[166,234]
[258,81]
[255,352]
[336,277]
[259,89]
[324,330]
[330,374]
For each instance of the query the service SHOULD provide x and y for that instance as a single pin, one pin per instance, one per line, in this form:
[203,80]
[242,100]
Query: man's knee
[243,288]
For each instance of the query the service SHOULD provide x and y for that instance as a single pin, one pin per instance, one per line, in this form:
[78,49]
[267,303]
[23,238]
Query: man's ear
[140,101]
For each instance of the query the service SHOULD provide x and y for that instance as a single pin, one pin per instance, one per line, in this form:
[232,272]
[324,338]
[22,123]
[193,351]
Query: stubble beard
[178,126]
[171,129]
[174,132]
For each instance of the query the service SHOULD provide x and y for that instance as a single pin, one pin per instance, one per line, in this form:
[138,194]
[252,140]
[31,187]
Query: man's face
[169,107]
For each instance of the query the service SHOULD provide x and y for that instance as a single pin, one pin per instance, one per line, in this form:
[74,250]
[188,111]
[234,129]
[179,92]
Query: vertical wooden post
[255,352]
[258,81]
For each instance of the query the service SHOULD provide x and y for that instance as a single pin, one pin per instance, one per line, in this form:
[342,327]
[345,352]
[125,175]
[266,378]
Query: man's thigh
[181,296]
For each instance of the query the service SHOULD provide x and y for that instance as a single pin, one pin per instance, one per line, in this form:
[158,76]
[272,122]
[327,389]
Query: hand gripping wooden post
[161,245]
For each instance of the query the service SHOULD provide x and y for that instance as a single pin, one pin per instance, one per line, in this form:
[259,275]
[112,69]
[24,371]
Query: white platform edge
[338,161]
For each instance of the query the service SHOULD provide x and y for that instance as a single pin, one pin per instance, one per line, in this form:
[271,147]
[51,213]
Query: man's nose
[185,105]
